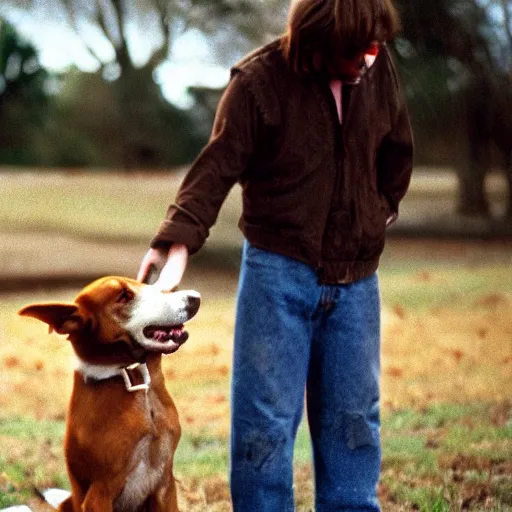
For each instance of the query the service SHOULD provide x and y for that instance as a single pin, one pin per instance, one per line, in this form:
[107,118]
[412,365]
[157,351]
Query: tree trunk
[140,105]
[472,193]
[472,199]
[508,171]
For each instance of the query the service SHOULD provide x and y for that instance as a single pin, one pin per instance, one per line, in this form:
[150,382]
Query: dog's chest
[149,465]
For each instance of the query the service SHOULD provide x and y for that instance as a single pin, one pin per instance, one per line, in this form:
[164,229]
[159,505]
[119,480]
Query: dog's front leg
[74,502]
[164,500]
[67,505]
[97,499]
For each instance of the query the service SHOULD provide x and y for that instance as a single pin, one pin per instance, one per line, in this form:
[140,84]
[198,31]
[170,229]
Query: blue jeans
[293,334]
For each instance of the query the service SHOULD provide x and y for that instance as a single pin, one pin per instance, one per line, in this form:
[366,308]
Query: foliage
[95,131]
[23,97]
[141,128]
[456,59]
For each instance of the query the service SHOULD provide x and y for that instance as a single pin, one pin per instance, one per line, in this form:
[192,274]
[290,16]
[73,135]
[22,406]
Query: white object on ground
[54,497]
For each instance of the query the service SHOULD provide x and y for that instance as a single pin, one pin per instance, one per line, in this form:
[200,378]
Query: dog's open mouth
[165,338]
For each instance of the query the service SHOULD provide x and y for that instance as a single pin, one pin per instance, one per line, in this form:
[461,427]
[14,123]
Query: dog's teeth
[164,334]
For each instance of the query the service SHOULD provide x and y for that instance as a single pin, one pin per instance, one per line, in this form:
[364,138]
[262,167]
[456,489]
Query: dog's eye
[125,296]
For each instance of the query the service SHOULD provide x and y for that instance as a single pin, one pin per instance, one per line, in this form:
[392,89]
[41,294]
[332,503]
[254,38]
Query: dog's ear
[62,318]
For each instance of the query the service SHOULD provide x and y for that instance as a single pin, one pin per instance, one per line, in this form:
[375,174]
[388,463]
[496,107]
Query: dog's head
[119,320]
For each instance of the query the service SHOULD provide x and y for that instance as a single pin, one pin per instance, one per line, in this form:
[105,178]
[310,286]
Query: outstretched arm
[205,187]
[213,174]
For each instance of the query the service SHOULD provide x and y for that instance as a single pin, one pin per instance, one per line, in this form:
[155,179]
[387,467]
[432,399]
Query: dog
[122,425]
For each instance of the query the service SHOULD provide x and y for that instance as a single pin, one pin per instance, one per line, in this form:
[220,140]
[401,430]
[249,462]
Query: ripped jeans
[293,334]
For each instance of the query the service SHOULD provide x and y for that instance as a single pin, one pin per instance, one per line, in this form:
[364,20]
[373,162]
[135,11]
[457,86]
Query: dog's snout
[192,304]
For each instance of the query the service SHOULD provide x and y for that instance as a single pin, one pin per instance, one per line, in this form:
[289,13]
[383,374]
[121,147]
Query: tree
[142,114]
[23,98]
[470,42]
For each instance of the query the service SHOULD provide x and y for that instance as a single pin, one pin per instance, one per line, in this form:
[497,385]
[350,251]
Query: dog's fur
[119,443]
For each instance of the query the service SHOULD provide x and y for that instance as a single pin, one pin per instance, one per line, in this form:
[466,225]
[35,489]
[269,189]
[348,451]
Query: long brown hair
[321,32]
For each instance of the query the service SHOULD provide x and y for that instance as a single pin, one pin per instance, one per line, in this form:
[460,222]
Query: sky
[191,61]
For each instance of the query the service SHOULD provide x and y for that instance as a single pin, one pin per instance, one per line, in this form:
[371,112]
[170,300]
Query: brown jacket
[313,189]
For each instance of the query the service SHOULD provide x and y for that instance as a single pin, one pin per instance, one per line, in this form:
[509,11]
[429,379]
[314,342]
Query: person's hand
[169,265]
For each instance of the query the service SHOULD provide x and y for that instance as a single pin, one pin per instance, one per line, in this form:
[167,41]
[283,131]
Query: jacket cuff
[391,219]
[391,211]
[171,232]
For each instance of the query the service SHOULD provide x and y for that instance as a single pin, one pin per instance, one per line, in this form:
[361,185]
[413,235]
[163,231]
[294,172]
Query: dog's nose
[192,306]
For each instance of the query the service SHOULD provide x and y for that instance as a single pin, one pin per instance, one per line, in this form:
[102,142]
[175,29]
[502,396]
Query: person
[314,126]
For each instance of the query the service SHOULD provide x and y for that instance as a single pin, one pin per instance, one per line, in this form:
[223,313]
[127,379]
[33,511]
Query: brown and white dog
[122,425]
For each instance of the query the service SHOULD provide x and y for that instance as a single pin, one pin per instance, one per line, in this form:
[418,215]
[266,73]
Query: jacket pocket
[374,213]
[341,238]
[376,210]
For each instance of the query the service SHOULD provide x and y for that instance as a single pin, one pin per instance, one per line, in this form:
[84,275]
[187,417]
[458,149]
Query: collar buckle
[144,373]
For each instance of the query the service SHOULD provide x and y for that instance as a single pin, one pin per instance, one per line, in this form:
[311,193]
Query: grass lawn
[446,360]
[441,458]
[98,206]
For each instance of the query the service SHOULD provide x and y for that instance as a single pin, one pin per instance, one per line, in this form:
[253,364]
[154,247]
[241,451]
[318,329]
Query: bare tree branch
[73,18]
[249,20]
[162,8]
[121,48]
[101,21]
[508,23]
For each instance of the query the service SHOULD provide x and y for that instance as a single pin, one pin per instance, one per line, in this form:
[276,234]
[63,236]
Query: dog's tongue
[163,334]
[160,335]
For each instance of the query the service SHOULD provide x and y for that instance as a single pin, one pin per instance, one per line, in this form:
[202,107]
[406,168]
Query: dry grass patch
[448,356]
[447,349]
[428,356]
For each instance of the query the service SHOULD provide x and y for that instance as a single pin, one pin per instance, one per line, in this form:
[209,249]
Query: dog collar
[144,372]
[99,372]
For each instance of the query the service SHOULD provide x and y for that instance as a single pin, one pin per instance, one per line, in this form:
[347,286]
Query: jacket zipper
[337,134]
[340,131]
